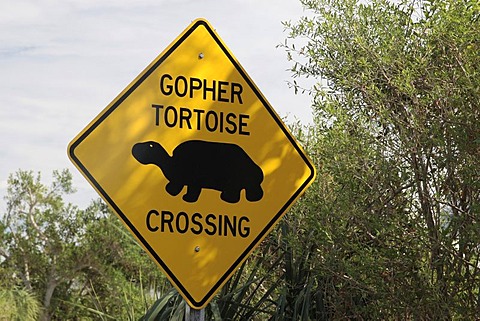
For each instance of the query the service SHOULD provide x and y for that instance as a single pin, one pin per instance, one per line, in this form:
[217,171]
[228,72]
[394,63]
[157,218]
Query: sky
[63,61]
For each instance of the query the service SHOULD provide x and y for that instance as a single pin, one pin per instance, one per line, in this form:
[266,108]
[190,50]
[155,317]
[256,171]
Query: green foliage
[18,304]
[248,295]
[390,230]
[77,262]
[170,306]
[394,215]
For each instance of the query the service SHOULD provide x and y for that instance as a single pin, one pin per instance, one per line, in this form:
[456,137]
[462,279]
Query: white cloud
[63,61]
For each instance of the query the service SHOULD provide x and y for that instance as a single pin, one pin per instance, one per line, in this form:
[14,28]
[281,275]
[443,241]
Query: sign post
[194,315]
[195,162]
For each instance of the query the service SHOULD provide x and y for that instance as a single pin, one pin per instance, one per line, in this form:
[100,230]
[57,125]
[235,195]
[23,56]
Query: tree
[58,252]
[396,208]
[40,234]
[125,281]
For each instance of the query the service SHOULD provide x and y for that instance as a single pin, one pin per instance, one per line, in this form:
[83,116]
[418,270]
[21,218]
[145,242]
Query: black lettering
[157,113]
[166,220]
[175,116]
[237,90]
[178,223]
[221,122]
[208,221]
[214,90]
[215,121]
[220,219]
[198,224]
[242,124]
[209,89]
[177,86]
[229,225]
[185,115]
[244,231]
[199,121]
[222,225]
[222,91]
[195,84]
[149,226]
[233,129]
[165,89]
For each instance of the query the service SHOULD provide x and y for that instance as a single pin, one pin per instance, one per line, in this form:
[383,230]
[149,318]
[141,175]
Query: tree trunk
[47,298]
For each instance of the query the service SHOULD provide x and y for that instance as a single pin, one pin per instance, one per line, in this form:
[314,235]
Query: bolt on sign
[195,162]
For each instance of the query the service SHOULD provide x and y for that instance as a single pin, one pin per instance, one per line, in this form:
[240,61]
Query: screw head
[201,55]
[197,249]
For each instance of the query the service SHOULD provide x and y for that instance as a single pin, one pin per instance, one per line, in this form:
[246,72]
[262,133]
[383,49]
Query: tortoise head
[148,152]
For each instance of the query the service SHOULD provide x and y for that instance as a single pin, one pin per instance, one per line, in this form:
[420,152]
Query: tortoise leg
[230,196]
[193,192]
[254,194]
[173,189]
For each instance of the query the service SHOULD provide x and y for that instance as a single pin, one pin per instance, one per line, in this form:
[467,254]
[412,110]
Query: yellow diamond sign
[194,161]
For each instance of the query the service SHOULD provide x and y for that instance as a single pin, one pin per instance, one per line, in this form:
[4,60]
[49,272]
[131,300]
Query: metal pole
[194,315]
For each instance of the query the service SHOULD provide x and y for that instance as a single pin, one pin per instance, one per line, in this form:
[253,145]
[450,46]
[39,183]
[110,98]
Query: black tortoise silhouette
[201,164]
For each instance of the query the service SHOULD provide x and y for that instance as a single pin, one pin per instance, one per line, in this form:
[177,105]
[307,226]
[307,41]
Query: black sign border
[108,199]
